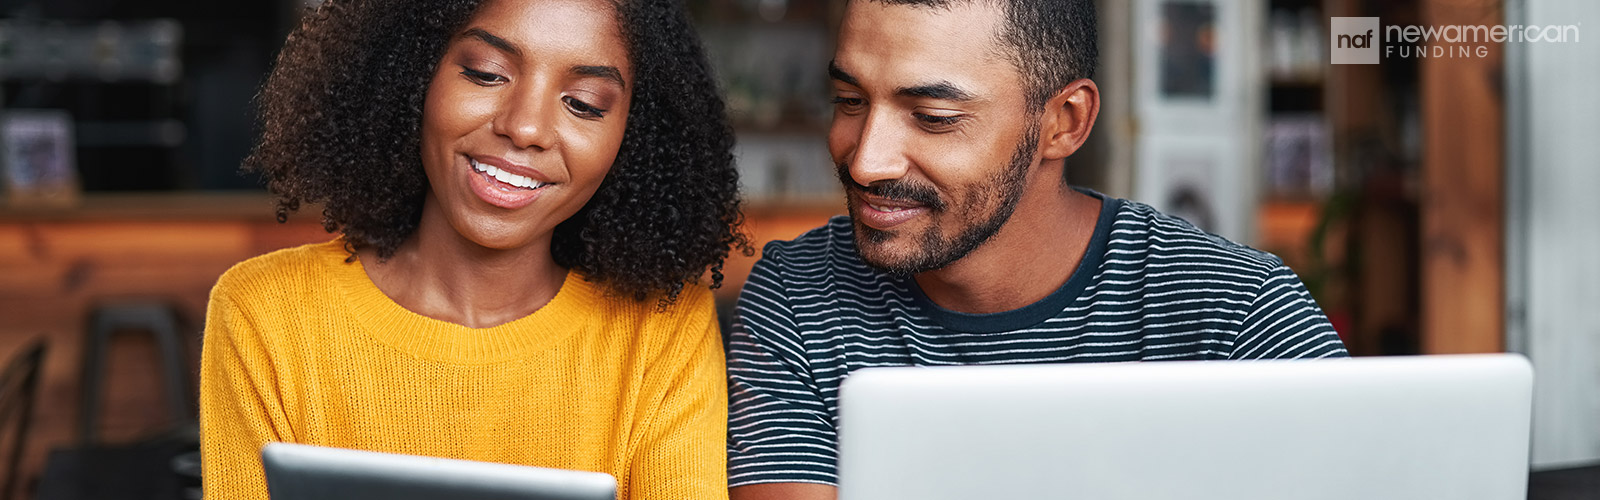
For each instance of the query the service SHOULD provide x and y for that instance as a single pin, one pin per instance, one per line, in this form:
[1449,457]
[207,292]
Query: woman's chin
[495,235]
[499,242]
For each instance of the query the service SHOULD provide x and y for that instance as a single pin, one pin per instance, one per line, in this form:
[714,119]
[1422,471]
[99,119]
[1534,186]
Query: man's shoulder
[1142,232]
[815,243]
[821,253]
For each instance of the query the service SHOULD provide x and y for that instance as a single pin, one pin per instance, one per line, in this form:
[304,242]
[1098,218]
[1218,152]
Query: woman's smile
[504,184]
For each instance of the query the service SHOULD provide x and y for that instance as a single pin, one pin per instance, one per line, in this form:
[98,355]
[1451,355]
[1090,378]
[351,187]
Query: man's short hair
[1053,42]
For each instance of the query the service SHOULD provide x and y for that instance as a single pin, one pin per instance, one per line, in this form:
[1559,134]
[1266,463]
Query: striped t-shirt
[1149,287]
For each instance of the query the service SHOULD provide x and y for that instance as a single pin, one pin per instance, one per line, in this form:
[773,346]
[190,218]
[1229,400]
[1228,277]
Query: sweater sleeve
[239,407]
[682,452]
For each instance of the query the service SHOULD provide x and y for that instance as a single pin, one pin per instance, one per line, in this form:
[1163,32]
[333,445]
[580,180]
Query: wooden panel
[1285,230]
[268,236]
[1462,203]
[1385,278]
[154,240]
[56,266]
[14,244]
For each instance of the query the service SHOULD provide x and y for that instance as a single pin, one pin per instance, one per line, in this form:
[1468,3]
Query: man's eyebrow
[940,90]
[944,91]
[840,75]
[606,72]
[493,41]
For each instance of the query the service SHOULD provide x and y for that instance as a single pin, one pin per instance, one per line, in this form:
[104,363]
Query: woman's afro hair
[341,117]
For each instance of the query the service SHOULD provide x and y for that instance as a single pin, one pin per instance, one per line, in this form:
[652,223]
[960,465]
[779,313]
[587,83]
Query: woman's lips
[501,187]
[510,181]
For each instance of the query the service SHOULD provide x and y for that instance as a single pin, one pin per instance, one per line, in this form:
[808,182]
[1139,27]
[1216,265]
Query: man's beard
[935,250]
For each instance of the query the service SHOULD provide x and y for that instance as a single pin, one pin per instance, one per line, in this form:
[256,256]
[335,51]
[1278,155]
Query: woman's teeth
[505,177]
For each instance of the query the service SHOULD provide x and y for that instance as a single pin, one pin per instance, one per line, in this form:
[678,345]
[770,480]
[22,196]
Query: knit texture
[301,347]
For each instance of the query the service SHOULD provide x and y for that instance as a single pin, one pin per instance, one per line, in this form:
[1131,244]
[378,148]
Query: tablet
[303,472]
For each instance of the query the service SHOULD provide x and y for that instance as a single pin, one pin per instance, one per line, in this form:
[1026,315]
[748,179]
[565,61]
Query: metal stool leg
[160,322]
[93,366]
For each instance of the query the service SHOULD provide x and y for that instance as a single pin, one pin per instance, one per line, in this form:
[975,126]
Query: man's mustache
[896,190]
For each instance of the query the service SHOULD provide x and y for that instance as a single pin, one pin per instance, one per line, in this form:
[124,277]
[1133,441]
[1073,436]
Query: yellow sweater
[302,347]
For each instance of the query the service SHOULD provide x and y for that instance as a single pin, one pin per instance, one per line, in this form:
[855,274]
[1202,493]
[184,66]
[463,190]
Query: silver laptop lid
[302,472]
[1373,428]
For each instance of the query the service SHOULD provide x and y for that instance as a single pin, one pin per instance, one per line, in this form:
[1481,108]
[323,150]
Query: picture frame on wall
[1188,58]
[38,164]
[1187,51]
[1198,101]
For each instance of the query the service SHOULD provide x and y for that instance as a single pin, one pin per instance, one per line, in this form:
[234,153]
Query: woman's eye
[936,122]
[481,78]
[583,109]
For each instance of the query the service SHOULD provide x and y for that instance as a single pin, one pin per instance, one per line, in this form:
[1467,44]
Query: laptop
[1454,427]
[302,472]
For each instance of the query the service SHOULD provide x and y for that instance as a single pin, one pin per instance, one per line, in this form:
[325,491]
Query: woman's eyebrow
[493,41]
[606,72]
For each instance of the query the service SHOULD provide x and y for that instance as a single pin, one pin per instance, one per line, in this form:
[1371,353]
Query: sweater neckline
[441,341]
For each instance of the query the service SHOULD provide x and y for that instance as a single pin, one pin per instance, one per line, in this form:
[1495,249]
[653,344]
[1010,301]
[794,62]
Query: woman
[529,193]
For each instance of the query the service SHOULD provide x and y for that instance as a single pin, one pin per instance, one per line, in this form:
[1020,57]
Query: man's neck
[1032,256]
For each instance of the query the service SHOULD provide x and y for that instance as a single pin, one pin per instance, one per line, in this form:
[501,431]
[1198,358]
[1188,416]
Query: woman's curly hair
[341,121]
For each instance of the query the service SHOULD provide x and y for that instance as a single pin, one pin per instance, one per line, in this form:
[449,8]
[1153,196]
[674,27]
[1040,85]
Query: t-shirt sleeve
[779,430]
[1284,322]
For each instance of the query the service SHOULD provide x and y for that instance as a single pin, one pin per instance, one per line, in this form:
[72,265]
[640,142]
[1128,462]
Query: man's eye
[849,102]
[481,78]
[937,122]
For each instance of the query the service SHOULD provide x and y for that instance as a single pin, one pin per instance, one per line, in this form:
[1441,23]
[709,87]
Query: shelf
[1294,99]
[160,206]
[1296,82]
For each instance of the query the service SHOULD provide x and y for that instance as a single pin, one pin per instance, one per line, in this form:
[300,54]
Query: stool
[19,387]
[160,321]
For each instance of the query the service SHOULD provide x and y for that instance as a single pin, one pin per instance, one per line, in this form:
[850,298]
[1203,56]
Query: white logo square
[1355,40]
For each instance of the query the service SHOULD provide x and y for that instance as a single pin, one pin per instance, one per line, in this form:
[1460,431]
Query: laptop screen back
[1372,428]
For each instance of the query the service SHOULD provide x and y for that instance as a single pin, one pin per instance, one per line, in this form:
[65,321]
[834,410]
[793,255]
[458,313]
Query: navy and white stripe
[1150,287]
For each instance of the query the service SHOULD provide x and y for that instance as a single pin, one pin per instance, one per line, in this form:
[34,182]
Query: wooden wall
[1463,200]
[57,265]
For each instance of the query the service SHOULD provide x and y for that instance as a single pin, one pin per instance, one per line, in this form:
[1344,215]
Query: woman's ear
[1068,118]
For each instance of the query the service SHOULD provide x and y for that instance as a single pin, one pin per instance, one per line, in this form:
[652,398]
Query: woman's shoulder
[680,325]
[696,303]
[694,307]
[289,267]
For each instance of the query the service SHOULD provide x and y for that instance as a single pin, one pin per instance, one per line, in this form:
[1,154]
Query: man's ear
[1068,117]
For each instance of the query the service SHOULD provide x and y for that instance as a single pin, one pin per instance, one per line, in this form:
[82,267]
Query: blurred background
[1439,204]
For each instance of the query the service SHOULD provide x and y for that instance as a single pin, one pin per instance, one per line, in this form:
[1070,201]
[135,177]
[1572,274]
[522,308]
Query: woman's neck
[440,274]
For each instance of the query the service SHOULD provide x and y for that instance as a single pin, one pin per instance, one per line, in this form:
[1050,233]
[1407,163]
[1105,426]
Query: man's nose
[880,151]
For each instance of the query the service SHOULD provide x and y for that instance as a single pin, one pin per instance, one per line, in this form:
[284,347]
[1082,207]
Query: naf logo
[1354,40]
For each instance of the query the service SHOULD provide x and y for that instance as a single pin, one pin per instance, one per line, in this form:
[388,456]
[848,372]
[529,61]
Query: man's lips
[885,213]
[882,204]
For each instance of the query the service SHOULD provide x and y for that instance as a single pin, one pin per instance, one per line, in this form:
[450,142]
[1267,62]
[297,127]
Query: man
[964,244]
